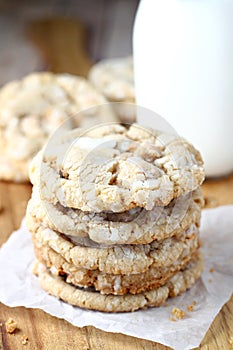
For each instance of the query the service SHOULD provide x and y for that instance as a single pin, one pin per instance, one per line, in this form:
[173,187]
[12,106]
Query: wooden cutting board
[47,332]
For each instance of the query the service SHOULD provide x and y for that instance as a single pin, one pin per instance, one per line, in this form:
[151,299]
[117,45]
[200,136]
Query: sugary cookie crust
[107,283]
[113,168]
[84,298]
[120,259]
[32,108]
[133,227]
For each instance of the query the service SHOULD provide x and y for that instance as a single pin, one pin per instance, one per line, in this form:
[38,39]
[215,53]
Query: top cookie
[115,168]
[115,79]
[32,108]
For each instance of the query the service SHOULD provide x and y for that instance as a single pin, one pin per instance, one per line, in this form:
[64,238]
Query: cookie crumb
[24,339]
[172,319]
[211,270]
[190,308]
[11,325]
[210,280]
[177,313]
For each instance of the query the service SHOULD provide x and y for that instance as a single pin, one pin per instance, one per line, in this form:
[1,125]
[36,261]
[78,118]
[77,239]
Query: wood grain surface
[47,332]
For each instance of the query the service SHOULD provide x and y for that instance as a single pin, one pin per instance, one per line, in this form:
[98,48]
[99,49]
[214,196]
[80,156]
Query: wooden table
[47,332]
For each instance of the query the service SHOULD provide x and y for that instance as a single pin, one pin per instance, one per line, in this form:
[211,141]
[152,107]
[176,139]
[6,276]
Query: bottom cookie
[91,299]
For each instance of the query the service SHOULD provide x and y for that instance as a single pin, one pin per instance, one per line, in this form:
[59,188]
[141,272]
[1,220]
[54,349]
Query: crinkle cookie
[114,78]
[120,259]
[136,226]
[115,168]
[119,284]
[33,107]
[88,298]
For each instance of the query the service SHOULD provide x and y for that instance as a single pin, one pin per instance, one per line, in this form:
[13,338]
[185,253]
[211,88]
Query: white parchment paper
[18,287]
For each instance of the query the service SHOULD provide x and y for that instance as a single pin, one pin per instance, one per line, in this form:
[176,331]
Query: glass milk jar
[183,58]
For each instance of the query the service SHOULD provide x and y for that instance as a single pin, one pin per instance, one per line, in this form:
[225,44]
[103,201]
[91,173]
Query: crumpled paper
[18,287]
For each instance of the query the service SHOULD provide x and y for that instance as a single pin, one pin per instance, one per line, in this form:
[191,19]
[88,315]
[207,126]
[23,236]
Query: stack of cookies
[114,217]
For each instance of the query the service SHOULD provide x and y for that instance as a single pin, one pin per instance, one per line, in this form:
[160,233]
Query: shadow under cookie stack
[114,217]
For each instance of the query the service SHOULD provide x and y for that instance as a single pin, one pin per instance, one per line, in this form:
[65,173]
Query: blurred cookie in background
[114,78]
[34,107]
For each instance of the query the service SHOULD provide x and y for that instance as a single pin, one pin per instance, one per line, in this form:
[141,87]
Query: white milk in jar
[183,61]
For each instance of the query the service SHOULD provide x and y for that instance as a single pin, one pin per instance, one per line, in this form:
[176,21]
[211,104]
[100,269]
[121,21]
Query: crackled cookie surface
[135,226]
[123,259]
[32,108]
[118,284]
[91,299]
[115,168]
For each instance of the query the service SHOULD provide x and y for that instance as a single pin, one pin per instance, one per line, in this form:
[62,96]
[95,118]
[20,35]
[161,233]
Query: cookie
[115,168]
[114,78]
[90,299]
[152,278]
[33,107]
[133,227]
[120,259]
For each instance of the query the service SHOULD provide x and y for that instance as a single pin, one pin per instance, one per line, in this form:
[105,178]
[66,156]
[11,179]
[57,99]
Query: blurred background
[62,35]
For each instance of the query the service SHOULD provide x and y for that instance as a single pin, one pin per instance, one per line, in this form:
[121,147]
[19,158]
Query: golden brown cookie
[118,284]
[91,299]
[120,259]
[135,226]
